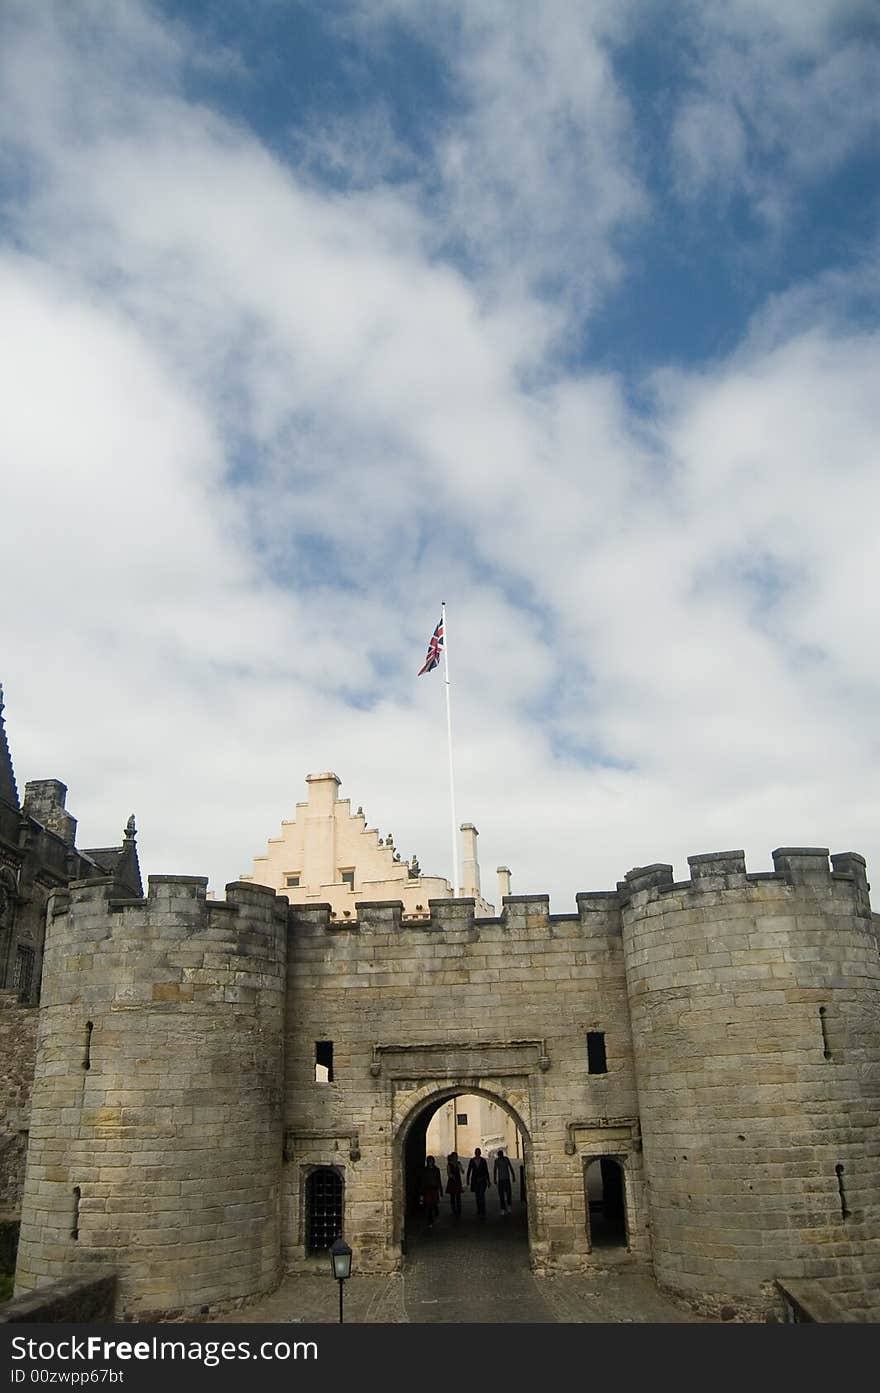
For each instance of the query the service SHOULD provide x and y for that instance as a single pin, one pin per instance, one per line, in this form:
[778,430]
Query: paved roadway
[468,1270]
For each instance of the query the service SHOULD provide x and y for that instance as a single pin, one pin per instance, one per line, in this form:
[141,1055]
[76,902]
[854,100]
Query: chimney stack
[470,866]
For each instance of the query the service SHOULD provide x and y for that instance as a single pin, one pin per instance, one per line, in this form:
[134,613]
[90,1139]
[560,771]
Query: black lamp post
[340,1260]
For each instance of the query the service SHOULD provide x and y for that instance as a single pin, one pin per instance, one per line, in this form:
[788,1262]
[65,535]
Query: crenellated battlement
[173,946]
[174,905]
[519,913]
[802,868]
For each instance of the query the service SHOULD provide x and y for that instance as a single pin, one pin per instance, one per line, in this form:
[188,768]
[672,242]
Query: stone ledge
[78,1299]
[811,1305]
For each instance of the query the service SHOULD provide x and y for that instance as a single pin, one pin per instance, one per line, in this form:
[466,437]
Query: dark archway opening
[323,1209]
[606,1205]
[459,1123]
[414,1155]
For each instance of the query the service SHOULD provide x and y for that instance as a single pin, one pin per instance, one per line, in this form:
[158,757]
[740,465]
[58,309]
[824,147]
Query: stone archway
[605,1203]
[411,1126]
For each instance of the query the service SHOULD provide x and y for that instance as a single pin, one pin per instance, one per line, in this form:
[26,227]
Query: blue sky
[318,315]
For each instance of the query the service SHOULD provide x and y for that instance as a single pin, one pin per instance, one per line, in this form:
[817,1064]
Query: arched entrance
[605,1203]
[411,1149]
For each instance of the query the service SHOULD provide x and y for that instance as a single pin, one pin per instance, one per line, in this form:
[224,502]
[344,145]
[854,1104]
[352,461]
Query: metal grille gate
[323,1209]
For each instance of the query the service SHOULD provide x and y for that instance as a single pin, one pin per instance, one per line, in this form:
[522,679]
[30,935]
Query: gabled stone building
[327,854]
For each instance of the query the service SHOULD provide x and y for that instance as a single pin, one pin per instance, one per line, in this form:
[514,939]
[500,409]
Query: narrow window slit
[87,1046]
[825,1045]
[844,1212]
[77,1193]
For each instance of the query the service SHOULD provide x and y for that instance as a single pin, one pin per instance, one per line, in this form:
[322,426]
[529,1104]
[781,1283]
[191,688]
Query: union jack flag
[434,648]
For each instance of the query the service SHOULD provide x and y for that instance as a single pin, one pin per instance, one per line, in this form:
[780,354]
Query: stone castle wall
[457,1004]
[18,1037]
[156,1123]
[755,1007]
[177,1117]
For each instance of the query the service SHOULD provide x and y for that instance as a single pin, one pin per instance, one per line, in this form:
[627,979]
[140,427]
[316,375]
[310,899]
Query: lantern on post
[340,1261]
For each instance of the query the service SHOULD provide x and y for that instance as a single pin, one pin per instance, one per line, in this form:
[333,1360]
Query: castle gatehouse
[219,1084]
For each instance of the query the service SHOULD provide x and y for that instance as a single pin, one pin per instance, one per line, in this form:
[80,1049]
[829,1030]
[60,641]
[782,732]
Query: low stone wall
[805,1303]
[76,1300]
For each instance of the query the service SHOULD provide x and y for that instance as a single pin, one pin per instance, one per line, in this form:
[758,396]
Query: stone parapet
[85,1300]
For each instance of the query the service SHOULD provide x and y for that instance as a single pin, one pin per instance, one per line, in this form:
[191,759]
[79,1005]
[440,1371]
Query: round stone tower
[156,1133]
[755,1005]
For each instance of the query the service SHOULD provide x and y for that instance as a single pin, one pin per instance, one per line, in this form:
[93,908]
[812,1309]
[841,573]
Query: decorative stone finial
[130,829]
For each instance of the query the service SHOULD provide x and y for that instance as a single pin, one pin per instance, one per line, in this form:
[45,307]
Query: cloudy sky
[318,313]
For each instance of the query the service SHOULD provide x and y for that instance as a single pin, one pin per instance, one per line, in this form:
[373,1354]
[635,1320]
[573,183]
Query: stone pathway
[468,1271]
[472,1270]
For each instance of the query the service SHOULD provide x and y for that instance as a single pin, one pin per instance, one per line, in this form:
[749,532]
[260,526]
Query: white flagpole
[455,884]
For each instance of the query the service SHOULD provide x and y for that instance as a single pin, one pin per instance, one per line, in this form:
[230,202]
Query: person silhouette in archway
[502,1173]
[478,1180]
[454,1182]
[432,1187]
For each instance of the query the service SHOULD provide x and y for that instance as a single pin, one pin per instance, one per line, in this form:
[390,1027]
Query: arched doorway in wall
[488,1119]
[606,1203]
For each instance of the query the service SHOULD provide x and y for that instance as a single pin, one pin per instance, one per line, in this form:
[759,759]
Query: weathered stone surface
[18,1034]
[177,1117]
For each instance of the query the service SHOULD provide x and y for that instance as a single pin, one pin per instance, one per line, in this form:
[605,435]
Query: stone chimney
[319,846]
[44,800]
[503,882]
[470,866]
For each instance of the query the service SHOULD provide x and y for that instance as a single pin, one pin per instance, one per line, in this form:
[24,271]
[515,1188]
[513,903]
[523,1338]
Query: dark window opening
[323,1061]
[348,878]
[323,1209]
[461,1119]
[74,1232]
[825,1046]
[87,1046]
[292,881]
[23,972]
[597,1062]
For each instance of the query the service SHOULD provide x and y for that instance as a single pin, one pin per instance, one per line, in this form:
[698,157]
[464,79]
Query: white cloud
[258,430]
[780,95]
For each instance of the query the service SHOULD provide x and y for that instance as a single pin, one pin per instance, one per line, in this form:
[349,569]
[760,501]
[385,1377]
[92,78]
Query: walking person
[502,1174]
[478,1180]
[432,1188]
[454,1183]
